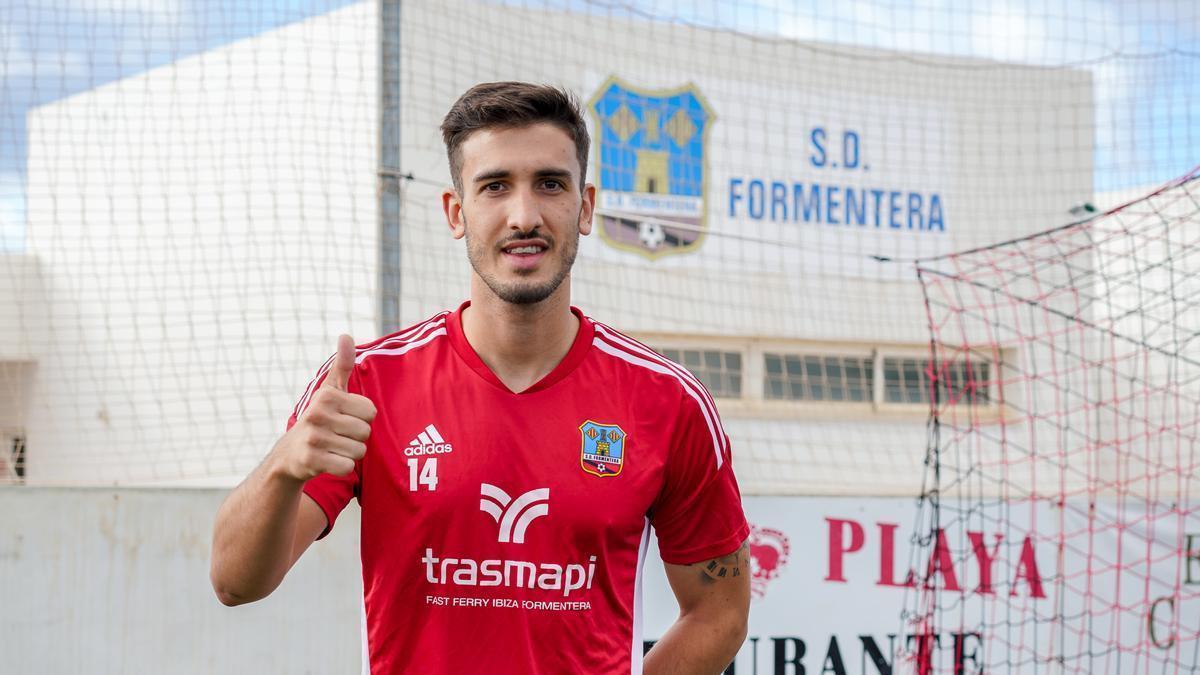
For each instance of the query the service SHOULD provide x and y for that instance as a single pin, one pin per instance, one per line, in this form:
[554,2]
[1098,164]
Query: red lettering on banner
[985,559]
[887,558]
[941,562]
[848,536]
[1027,569]
[838,547]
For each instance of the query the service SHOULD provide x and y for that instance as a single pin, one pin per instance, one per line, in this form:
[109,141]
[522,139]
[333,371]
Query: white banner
[832,576]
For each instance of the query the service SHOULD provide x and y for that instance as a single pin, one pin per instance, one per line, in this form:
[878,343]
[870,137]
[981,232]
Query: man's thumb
[343,363]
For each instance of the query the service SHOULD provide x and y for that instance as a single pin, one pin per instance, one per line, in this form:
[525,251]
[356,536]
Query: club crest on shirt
[602,452]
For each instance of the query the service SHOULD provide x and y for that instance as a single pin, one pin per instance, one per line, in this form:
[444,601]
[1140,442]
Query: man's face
[521,208]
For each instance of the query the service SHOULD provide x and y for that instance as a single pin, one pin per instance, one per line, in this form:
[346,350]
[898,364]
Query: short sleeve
[331,493]
[698,514]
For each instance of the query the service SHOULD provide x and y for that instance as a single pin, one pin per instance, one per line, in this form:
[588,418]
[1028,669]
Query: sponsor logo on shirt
[510,573]
[428,442]
[602,451]
[514,516]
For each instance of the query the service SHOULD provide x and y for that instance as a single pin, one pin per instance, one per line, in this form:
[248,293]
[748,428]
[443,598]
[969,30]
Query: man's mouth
[525,254]
[525,247]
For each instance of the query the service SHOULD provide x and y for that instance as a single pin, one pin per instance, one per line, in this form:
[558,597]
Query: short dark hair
[508,105]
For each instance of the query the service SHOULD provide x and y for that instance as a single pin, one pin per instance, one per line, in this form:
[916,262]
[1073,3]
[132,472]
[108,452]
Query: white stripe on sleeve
[404,338]
[708,404]
[605,347]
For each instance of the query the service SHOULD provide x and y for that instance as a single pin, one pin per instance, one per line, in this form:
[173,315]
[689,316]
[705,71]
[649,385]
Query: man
[509,457]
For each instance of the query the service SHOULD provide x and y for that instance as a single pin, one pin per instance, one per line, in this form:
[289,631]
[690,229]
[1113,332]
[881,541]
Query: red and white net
[1059,524]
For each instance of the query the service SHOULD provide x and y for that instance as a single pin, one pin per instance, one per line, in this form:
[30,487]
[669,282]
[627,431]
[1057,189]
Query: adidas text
[428,449]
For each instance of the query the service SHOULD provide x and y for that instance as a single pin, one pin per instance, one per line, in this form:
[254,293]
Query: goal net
[196,198]
[1059,527]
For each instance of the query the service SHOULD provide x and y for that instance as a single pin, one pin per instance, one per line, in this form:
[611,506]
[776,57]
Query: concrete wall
[102,581]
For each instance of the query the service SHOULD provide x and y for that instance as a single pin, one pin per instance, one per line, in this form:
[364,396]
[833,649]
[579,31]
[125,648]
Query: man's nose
[525,213]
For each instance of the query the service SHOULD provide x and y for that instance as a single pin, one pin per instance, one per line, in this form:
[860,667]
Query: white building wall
[208,227]
[1008,148]
[1146,289]
[22,306]
[205,230]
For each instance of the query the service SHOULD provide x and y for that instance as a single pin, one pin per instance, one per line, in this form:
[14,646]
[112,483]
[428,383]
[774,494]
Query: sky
[1144,55]
[51,49]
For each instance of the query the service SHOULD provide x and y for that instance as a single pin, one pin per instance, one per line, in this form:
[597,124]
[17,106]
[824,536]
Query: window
[775,378]
[906,380]
[810,377]
[12,459]
[18,455]
[719,371]
[965,383]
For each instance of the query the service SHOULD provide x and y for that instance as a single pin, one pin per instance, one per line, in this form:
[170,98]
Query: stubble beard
[524,292]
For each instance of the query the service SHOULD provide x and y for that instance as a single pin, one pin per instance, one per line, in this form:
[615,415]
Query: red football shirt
[506,532]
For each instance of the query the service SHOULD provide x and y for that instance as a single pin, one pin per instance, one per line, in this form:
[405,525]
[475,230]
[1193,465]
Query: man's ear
[452,206]
[587,208]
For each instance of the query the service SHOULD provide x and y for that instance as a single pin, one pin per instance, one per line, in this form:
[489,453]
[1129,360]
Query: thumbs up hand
[343,362]
[332,432]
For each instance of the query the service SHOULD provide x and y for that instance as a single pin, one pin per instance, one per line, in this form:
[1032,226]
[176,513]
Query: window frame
[754,403]
[741,379]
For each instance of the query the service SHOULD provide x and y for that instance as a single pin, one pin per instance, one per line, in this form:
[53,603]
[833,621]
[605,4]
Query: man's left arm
[714,603]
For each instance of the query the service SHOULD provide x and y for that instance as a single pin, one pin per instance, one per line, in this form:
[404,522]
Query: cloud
[162,11]
[16,60]
[1004,34]
[1002,30]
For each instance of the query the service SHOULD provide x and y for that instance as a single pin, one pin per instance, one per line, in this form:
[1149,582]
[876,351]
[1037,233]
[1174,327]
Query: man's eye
[553,185]
[493,187]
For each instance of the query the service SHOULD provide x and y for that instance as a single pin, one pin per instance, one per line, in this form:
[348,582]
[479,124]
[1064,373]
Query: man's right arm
[267,522]
[262,528]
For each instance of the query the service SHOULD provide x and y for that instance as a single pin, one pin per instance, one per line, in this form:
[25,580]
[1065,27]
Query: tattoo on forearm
[727,566]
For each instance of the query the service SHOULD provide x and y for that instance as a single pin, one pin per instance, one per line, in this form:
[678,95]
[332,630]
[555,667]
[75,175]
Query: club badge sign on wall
[651,167]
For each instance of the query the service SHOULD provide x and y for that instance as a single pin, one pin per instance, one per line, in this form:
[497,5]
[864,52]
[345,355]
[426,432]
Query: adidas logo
[513,515]
[428,442]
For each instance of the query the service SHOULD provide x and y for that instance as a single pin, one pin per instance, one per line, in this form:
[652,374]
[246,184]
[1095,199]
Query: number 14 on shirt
[424,474]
